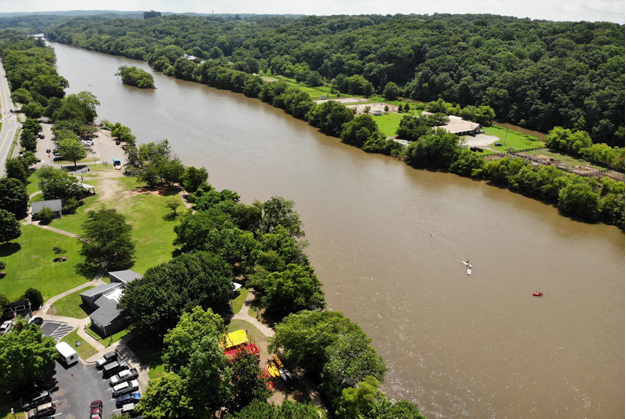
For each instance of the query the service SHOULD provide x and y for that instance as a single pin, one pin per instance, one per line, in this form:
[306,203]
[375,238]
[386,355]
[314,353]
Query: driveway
[480,140]
[76,387]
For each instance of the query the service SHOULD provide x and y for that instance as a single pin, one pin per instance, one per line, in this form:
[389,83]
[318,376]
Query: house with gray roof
[106,318]
[56,205]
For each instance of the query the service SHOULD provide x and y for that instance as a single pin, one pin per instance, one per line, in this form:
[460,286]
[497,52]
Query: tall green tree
[247,382]
[180,341]
[330,117]
[13,196]
[72,150]
[107,238]
[294,289]
[24,354]
[154,305]
[9,227]
[287,410]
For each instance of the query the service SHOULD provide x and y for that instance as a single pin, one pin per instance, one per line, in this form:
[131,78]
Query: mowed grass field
[514,139]
[30,264]
[388,123]
[153,230]
[71,305]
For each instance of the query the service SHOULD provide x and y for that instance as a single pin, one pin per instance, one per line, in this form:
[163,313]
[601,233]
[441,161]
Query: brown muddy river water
[388,241]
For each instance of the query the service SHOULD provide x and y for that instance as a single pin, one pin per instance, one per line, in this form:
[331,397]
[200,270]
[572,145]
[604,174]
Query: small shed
[56,205]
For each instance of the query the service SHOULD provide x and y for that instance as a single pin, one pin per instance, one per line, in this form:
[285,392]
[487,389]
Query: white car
[122,376]
[126,387]
[6,326]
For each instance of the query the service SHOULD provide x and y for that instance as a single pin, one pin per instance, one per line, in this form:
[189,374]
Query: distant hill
[133,14]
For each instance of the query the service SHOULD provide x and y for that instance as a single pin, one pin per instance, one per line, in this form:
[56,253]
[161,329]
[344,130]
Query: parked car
[27,390]
[35,399]
[106,358]
[41,136]
[42,411]
[125,387]
[127,398]
[96,409]
[36,320]
[6,326]
[498,144]
[122,376]
[112,368]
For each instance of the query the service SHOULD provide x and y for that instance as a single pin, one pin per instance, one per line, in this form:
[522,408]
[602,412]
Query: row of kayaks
[276,369]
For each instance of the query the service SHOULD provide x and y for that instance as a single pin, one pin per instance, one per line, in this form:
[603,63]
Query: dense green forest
[536,74]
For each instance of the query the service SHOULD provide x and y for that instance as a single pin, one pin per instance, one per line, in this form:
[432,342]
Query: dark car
[127,398]
[96,409]
[35,399]
[41,136]
[113,368]
[27,390]
[498,144]
[36,320]
[106,358]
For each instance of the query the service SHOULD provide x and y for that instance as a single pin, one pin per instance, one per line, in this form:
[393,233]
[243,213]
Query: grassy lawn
[564,158]
[388,123]
[237,303]
[254,334]
[85,350]
[314,92]
[108,340]
[153,231]
[71,305]
[30,263]
[33,184]
[37,198]
[514,139]
[149,355]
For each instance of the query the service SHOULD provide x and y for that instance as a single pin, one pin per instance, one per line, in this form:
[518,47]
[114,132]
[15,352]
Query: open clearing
[31,264]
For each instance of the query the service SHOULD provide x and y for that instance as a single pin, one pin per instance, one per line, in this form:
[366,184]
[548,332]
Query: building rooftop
[124,276]
[100,289]
[106,313]
[54,204]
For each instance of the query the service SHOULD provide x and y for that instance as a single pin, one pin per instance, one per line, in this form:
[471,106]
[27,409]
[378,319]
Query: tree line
[537,74]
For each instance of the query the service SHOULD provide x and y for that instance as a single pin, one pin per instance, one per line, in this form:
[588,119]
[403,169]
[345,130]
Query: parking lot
[57,330]
[76,387]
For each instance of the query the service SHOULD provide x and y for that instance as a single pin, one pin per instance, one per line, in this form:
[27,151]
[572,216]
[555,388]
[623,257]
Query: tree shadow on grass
[7,249]
[171,217]
[87,270]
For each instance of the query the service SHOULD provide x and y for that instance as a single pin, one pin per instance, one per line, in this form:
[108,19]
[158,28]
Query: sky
[571,10]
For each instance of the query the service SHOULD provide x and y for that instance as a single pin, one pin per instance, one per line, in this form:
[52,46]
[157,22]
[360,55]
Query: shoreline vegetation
[136,77]
[222,240]
[585,198]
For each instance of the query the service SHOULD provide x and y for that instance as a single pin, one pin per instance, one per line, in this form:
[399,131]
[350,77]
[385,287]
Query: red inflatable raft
[537,294]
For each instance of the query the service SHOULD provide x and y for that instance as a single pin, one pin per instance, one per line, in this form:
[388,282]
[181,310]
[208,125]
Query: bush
[34,296]
[45,215]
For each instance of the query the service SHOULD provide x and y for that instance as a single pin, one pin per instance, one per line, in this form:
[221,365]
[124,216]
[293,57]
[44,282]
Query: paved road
[10,123]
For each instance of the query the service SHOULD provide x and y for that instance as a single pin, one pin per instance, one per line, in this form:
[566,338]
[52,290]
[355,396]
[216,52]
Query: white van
[67,354]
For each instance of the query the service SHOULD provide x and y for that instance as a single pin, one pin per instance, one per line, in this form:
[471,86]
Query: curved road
[10,124]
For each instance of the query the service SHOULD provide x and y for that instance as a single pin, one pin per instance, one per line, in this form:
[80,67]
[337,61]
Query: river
[388,241]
